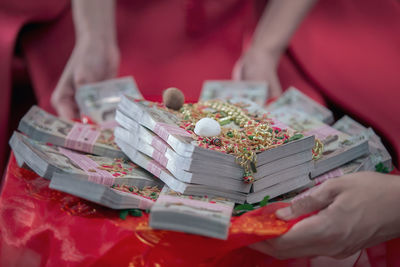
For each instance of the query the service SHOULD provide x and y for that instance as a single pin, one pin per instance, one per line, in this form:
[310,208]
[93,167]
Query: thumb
[237,71]
[274,86]
[317,200]
[67,110]
[82,78]
[63,100]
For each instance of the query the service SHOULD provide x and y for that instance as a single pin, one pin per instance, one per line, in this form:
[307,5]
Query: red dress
[345,52]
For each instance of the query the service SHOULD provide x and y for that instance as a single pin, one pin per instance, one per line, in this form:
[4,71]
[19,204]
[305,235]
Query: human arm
[271,38]
[95,56]
[356,211]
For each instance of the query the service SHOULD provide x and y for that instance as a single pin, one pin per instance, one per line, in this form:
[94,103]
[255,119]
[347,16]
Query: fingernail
[284,213]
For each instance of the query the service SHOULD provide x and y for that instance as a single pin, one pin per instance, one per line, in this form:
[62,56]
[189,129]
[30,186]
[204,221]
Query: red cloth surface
[44,227]
[346,52]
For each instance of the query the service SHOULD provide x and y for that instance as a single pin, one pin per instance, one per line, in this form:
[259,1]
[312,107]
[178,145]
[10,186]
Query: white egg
[207,127]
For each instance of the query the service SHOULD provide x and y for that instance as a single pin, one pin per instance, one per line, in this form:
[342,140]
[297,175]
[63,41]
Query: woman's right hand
[90,61]
[259,65]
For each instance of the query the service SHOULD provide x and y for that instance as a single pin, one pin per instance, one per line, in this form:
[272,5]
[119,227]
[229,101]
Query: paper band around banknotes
[90,167]
[82,137]
[164,130]
[160,158]
[198,204]
[159,144]
[109,124]
[154,168]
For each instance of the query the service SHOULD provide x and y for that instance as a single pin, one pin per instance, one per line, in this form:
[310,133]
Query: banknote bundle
[227,89]
[197,215]
[98,101]
[114,183]
[336,147]
[378,153]
[296,100]
[152,137]
[41,126]
[140,147]
[377,157]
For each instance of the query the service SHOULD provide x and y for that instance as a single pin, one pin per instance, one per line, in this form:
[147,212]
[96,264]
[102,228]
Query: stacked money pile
[44,127]
[201,176]
[337,147]
[101,173]
[378,158]
[151,136]
[99,179]
[198,215]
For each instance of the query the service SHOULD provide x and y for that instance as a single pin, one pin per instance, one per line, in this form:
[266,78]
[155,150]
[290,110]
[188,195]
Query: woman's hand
[95,56]
[270,40]
[259,65]
[356,211]
[90,61]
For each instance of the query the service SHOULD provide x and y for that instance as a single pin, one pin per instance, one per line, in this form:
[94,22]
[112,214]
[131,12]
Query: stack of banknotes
[114,183]
[98,101]
[140,157]
[150,136]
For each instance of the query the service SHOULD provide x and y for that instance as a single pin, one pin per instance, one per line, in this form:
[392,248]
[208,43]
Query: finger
[306,238]
[82,78]
[63,100]
[237,71]
[68,110]
[316,200]
[64,103]
[275,87]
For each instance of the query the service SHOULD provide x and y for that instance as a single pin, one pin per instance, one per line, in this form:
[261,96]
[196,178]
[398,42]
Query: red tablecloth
[44,227]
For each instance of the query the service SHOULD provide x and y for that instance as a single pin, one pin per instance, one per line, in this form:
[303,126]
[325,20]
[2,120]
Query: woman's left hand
[356,211]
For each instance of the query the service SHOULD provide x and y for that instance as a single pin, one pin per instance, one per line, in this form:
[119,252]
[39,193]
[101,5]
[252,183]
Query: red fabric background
[44,227]
[346,52]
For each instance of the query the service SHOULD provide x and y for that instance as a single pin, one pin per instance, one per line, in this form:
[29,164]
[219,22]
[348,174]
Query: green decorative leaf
[264,202]
[296,137]
[381,168]
[238,213]
[135,213]
[224,121]
[123,214]
[244,207]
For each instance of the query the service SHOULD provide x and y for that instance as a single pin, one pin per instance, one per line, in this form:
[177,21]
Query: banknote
[296,100]
[98,101]
[225,90]
[197,215]
[44,127]
[378,152]
[337,148]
